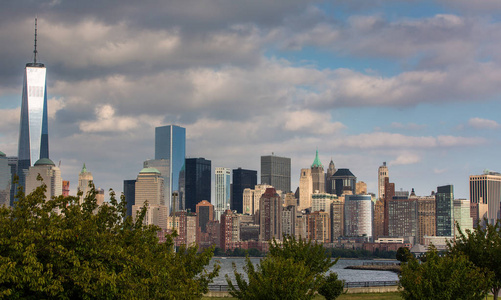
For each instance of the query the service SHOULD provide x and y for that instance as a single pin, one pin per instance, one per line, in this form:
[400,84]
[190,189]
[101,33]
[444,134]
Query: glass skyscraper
[276,171]
[34,131]
[242,179]
[170,145]
[197,182]
[445,210]
[222,191]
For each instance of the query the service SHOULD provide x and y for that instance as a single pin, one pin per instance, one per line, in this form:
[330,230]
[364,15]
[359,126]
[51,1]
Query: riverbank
[393,268]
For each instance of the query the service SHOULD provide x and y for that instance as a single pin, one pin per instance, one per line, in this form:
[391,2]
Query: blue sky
[412,83]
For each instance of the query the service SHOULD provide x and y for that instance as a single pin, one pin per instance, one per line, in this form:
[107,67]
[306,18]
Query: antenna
[35,50]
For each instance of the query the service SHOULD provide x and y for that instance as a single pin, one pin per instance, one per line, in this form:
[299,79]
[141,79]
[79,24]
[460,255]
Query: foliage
[58,248]
[448,277]
[483,247]
[332,287]
[404,254]
[293,269]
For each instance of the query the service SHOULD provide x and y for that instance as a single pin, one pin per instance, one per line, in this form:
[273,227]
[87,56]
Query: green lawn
[370,296]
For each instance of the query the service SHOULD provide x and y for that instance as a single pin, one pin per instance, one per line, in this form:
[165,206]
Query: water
[344,274]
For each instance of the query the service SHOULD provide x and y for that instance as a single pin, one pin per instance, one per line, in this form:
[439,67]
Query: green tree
[450,277]
[293,269]
[60,249]
[483,247]
[403,254]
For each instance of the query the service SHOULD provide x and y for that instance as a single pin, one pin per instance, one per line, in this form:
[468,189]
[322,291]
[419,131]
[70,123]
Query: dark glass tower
[343,179]
[242,179]
[445,210]
[170,145]
[276,171]
[33,131]
[197,182]
[130,194]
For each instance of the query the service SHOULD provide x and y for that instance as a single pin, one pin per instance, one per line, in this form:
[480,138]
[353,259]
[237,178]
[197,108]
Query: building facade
[344,180]
[150,189]
[198,185]
[270,221]
[358,216]
[382,174]
[305,189]
[329,182]
[85,179]
[426,218]
[403,216]
[222,191]
[242,179]
[51,176]
[337,219]
[276,171]
[5,180]
[130,194]
[317,175]
[318,227]
[170,145]
[486,189]
[445,210]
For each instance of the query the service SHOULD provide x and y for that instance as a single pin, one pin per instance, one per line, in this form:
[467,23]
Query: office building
[230,229]
[318,227]
[382,174]
[198,172]
[305,189]
[163,166]
[51,176]
[5,182]
[344,180]
[378,223]
[426,218]
[13,172]
[445,210]
[276,171]
[337,219]
[222,191]
[149,189]
[130,194]
[462,216]
[242,179]
[329,183]
[322,202]
[478,212]
[389,192]
[403,216]
[34,131]
[486,189]
[170,145]
[270,211]
[85,179]
[358,216]
[289,220]
[205,213]
[66,188]
[317,175]
[361,188]
[251,198]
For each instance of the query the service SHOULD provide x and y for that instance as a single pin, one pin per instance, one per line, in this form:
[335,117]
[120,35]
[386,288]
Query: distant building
[290,199]
[130,194]
[66,188]
[389,192]
[301,227]
[270,209]
[205,213]
[382,174]
[486,189]
[198,172]
[426,218]
[478,212]
[361,188]
[13,172]
[51,176]
[403,216]
[230,229]
[305,189]
[445,210]
[378,223]
[242,179]
[317,175]
[170,145]
[251,198]
[150,189]
[163,166]
[344,180]
[462,216]
[5,180]
[322,201]
[318,227]
[337,219]
[289,220]
[329,182]
[84,180]
[358,216]
[276,171]
[222,191]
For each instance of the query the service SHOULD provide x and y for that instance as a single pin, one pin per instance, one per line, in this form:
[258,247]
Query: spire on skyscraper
[35,50]
[316,162]
[84,169]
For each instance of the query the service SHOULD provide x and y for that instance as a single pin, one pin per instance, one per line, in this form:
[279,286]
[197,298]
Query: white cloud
[479,123]
[405,159]
[409,126]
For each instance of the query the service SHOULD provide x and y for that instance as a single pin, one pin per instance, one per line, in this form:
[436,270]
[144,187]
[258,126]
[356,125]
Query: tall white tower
[222,191]
[382,174]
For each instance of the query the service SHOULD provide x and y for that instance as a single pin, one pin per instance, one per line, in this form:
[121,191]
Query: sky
[416,84]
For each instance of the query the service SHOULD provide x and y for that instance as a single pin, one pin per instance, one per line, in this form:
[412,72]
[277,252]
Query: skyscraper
[242,179]
[170,145]
[84,179]
[358,215]
[50,174]
[486,189]
[33,131]
[4,180]
[344,180]
[270,211]
[149,188]
[222,191]
[305,189]
[130,194]
[276,171]
[197,182]
[329,183]
[382,174]
[317,175]
[445,210]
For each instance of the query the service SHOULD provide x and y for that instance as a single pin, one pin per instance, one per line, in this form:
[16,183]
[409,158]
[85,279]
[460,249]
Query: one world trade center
[33,132]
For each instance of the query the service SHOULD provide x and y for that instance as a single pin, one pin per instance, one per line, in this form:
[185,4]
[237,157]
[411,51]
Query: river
[344,274]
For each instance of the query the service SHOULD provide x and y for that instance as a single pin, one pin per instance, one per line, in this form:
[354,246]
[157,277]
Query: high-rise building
[329,183]
[445,210]
[344,180]
[242,179]
[34,131]
[276,171]
[130,194]
[230,229]
[51,176]
[462,216]
[317,175]
[205,213]
[322,202]
[389,188]
[149,188]
[251,198]
[13,171]
[358,216]
[289,220]
[318,227]
[270,221]
[305,189]
[66,188]
[378,223]
[84,180]
[170,145]
[198,172]
[361,188]
[426,218]
[486,189]
[5,182]
[382,174]
[222,191]
[403,216]
[337,219]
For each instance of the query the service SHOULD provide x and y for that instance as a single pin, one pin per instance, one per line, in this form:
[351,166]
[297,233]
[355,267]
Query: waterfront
[344,274]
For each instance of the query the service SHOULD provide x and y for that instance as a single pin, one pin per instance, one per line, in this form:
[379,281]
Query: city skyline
[412,84]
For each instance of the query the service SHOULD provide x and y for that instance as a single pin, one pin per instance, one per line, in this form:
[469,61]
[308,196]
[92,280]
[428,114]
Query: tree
[448,277]
[295,269]
[403,254]
[482,246]
[58,248]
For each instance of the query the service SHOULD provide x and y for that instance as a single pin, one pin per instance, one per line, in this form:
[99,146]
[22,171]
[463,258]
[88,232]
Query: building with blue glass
[33,131]
[444,199]
[170,146]
[198,173]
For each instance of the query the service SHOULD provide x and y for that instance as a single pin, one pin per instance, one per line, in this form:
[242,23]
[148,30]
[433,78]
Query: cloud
[479,123]
[405,159]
